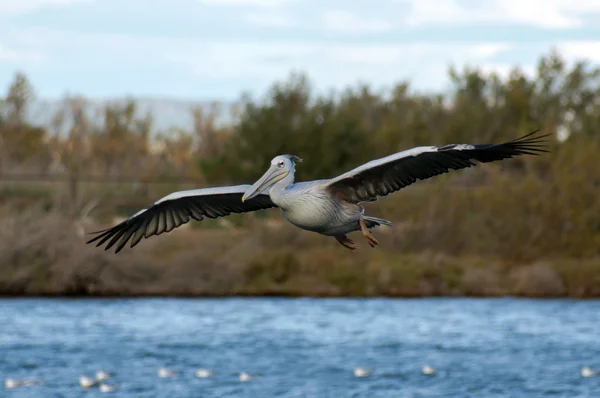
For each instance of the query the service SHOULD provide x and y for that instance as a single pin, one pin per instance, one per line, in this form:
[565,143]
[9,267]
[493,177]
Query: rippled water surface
[303,347]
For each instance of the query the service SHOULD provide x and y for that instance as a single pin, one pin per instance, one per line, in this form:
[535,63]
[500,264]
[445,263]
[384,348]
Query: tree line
[549,203]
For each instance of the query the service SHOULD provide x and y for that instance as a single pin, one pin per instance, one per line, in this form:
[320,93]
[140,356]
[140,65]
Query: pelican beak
[272,175]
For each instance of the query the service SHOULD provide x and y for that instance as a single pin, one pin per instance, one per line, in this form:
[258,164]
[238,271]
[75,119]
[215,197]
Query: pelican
[588,372]
[164,372]
[362,372]
[87,382]
[331,207]
[102,375]
[246,377]
[107,387]
[203,373]
[12,383]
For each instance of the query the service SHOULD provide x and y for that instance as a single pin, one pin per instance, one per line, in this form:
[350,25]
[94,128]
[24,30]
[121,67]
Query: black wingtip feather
[528,144]
[404,171]
[96,232]
[168,215]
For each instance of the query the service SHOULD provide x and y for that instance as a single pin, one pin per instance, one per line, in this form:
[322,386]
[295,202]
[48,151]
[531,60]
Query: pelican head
[281,167]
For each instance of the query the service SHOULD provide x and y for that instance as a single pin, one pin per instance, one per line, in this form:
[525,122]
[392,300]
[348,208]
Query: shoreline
[111,296]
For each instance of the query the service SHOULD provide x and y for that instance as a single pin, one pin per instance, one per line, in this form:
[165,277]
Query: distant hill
[167,113]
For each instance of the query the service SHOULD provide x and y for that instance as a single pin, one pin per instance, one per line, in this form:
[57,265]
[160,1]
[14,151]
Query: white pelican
[246,377]
[362,372]
[87,382]
[428,370]
[587,372]
[102,375]
[203,373]
[12,383]
[164,372]
[107,387]
[330,207]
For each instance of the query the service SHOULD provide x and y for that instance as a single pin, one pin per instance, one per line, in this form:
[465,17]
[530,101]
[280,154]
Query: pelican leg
[348,243]
[366,233]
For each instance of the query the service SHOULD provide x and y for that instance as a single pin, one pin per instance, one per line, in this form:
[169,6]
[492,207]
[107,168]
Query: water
[303,347]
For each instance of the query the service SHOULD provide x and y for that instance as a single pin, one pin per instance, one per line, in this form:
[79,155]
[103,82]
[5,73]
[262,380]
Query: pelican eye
[280,164]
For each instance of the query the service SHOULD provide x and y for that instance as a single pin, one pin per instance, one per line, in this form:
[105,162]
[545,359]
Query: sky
[218,49]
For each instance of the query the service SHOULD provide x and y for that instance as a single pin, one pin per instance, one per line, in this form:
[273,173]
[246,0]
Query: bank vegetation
[527,227]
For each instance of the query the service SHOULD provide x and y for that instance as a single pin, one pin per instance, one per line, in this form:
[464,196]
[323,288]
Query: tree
[21,144]
[20,94]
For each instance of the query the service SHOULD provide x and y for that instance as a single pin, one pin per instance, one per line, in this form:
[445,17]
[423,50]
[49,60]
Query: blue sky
[216,49]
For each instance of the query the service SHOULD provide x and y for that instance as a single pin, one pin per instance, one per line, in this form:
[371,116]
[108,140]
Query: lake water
[303,347]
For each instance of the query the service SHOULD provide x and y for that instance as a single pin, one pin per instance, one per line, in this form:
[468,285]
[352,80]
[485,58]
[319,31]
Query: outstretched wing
[177,209]
[383,176]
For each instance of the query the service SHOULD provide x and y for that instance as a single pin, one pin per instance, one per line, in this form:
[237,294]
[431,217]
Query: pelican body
[330,207]
[311,205]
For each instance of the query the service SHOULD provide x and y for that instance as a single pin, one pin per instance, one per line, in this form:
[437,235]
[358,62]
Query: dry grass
[43,253]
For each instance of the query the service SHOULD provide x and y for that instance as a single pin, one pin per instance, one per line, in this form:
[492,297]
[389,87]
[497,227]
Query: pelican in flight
[330,207]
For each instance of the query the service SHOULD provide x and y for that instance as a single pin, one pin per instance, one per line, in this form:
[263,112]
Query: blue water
[303,347]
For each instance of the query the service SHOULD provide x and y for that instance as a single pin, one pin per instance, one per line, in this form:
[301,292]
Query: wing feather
[177,209]
[383,176]
[162,223]
[139,233]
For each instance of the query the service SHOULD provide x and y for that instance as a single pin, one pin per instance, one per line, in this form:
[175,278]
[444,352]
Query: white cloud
[269,19]
[580,50]
[244,3]
[10,8]
[230,66]
[558,14]
[333,65]
[486,50]
[9,55]
[405,53]
[240,59]
[504,70]
[347,22]
[258,62]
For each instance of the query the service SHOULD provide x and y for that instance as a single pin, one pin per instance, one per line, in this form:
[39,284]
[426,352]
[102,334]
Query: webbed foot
[346,242]
[367,234]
